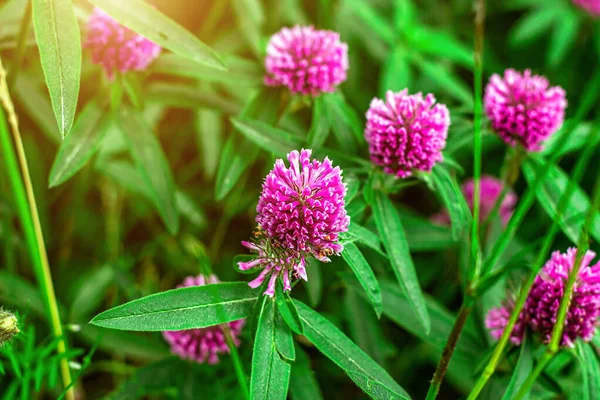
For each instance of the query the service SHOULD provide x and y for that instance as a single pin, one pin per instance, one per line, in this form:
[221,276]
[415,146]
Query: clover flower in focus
[300,213]
[117,48]
[490,189]
[592,7]
[306,60]
[406,132]
[203,344]
[541,307]
[523,108]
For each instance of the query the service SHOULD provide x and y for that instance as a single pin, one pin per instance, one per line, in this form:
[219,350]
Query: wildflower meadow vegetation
[303,199]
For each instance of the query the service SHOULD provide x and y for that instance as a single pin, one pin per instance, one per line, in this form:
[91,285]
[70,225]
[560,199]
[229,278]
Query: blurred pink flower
[406,132]
[541,307]
[116,47]
[491,188]
[523,109]
[204,344]
[306,60]
[301,212]
[591,6]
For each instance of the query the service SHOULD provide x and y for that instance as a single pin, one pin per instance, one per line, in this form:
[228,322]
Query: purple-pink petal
[117,48]
[541,307]
[300,213]
[406,132]
[592,7]
[306,60]
[523,108]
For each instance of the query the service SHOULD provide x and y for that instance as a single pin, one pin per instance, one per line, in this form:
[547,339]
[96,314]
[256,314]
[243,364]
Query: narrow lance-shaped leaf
[344,122]
[375,389]
[319,128]
[453,200]
[84,140]
[365,275]
[237,154]
[550,193]
[396,246]
[303,383]
[287,309]
[267,137]
[37,106]
[314,286]
[127,176]
[240,71]
[423,235]
[270,374]
[59,43]
[152,165]
[363,325]
[397,73]
[522,369]
[284,341]
[396,307]
[590,365]
[365,236]
[445,79]
[341,350]
[563,36]
[146,20]
[441,44]
[185,308]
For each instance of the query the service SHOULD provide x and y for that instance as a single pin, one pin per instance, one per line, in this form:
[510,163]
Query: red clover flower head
[592,7]
[491,189]
[300,213]
[523,108]
[541,307]
[406,132]
[306,60]
[117,48]
[204,344]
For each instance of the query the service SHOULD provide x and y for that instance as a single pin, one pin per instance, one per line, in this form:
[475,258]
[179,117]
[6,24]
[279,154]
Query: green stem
[26,205]
[474,270]
[478,111]
[24,29]
[237,362]
[442,367]
[541,258]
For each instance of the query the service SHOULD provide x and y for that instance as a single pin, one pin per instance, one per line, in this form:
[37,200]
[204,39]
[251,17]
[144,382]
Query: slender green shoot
[475,267]
[28,213]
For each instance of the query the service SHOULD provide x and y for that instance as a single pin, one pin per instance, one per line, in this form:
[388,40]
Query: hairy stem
[25,202]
